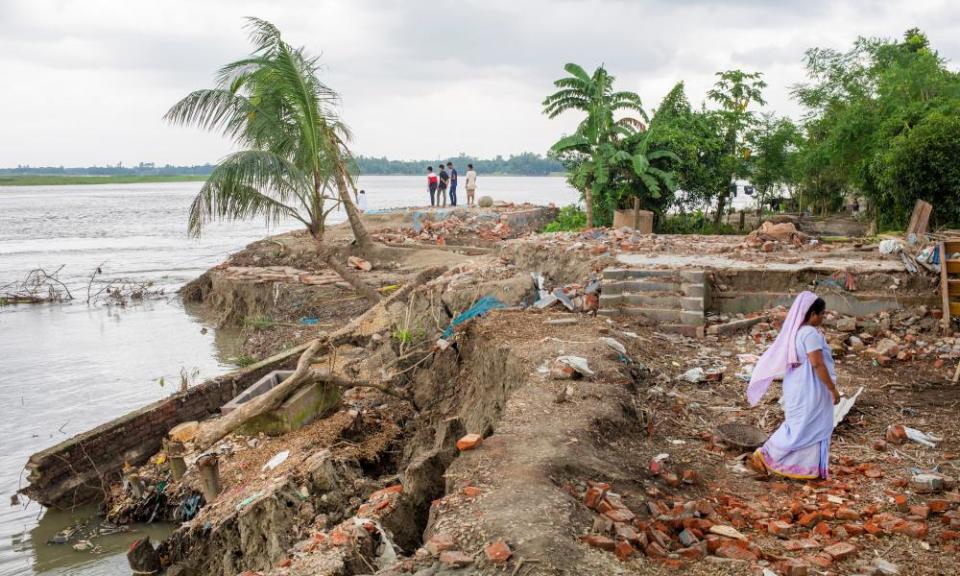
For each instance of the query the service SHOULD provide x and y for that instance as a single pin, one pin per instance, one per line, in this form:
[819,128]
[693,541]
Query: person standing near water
[362,201]
[800,448]
[471,184]
[432,184]
[442,189]
[453,183]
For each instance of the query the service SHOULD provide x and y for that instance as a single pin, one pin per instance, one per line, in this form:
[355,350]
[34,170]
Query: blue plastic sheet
[479,308]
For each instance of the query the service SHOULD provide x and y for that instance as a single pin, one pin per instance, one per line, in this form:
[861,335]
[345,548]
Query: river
[69,367]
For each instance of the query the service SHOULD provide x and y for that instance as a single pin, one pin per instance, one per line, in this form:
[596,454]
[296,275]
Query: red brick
[853,529]
[498,552]
[900,500]
[921,511]
[471,491]
[691,477]
[822,529]
[620,515]
[601,542]
[846,513]
[809,519]
[841,550]
[779,528]
[912,529]
[469,442]
[593,496]
[896,434]
[938,506]
[395,489]
[655,550]
[693,552]
[793,567]
[455,558]
[439,543]
[880,445]
[822,560]
[802,544]
[671,479]
[339,538]
[948,535]
[624,550]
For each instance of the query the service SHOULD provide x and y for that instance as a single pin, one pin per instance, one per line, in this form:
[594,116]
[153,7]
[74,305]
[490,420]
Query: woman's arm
[820,368]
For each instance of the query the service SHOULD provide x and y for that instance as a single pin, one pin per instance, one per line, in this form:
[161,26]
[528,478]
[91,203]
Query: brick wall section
[77,470]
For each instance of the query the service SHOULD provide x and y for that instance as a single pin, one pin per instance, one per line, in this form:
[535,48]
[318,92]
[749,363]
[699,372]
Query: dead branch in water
[37,287]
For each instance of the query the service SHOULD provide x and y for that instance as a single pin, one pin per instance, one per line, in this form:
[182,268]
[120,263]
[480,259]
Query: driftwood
[213,431]
[37,287]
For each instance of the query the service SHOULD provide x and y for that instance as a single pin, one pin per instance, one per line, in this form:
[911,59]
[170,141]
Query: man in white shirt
[471,184]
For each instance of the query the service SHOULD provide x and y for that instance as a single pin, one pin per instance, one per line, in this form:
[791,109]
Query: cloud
[89,80]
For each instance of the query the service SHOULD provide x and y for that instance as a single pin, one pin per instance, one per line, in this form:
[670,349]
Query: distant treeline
[526,164]
[139,170]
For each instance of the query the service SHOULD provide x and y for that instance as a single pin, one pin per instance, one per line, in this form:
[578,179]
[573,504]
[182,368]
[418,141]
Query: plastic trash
[278,459]
[614,345]
[890,246]
[479,308]
[309,321]
[577,363]
[694,375]
[919,437]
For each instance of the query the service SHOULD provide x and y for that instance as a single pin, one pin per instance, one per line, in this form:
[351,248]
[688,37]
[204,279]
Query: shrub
[570,219]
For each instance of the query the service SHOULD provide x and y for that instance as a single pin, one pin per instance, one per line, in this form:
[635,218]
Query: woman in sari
[800,448]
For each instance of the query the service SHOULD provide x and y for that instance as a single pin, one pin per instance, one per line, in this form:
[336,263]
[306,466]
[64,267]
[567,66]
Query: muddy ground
[622,471]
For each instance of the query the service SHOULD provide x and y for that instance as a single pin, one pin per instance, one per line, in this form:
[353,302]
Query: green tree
[590,152]
[734,92]
[774,143]
[294,161]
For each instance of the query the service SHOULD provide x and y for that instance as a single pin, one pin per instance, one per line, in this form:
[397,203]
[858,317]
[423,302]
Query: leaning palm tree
[293,160]
[592,146]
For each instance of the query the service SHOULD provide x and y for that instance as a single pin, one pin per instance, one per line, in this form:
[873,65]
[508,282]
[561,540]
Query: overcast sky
[87,81]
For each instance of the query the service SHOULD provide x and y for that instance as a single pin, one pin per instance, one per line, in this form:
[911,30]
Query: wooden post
[945,288]
[636,212]
[743,218]
[210,476]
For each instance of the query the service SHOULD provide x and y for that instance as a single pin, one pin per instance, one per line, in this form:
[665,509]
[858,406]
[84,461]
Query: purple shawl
[783,353]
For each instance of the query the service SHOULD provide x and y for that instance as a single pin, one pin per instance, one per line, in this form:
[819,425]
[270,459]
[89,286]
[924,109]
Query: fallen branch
[352,278]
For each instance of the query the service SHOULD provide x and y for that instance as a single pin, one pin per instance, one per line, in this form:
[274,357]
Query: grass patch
[259,322]
[244,360]
[569,219]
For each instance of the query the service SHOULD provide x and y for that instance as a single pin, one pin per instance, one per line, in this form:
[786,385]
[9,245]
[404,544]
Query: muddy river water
[66,368]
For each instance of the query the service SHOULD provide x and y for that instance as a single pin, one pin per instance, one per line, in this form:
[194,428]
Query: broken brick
[439,543]
[841,550]
[822,529]
[655,550]
[896,434]
[620,515]
[601,542]
[455,559]
[948,535]
[471,491]
[498,552]
[938,506]
[912,529]
[846,513]
[691,476]
[671,479]
[779,528]
[920,511]
[593,496]
[469,442]
[624,550]
[793,567]
[809,519]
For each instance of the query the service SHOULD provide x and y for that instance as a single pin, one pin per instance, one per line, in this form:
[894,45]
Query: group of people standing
[446,180]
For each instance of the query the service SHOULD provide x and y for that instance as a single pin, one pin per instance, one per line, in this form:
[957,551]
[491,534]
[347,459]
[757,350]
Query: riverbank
[389,480]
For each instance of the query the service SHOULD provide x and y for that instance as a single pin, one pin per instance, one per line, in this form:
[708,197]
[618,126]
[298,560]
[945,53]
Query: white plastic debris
[694,375]
[278,459]
[614,344]
[578,363]
[890,246]
[919,437]
[842,408]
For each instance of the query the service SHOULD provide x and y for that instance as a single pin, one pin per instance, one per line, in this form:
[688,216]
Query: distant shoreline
[72,180]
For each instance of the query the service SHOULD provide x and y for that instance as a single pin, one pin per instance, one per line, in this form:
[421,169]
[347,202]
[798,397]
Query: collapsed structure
[538,404]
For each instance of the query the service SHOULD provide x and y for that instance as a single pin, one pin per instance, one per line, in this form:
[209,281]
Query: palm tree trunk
[360,233]
[588,200]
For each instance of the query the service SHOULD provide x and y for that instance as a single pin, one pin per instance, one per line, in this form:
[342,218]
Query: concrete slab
[717,261]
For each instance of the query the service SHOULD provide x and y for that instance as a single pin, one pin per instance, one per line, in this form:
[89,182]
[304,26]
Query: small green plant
[569,219]
[403,335]
[693,223]
[258,322]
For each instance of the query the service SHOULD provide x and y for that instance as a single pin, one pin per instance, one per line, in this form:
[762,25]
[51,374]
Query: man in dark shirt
[442,189]
[453,183]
